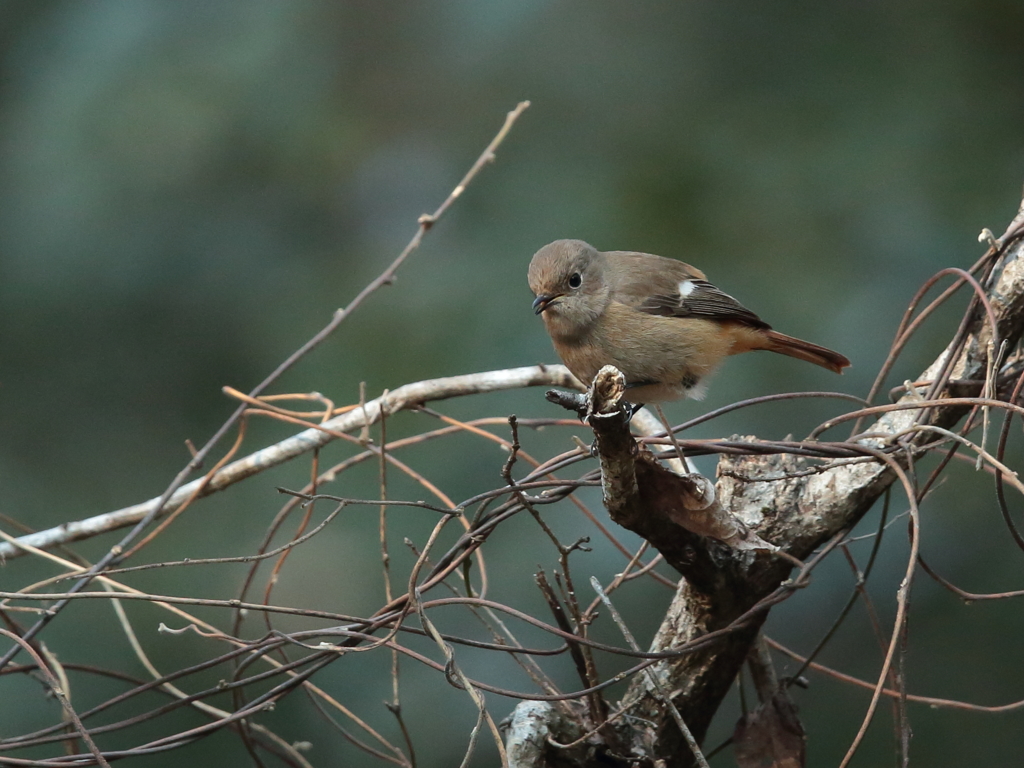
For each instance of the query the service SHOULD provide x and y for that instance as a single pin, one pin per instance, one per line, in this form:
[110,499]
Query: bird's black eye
[575,280]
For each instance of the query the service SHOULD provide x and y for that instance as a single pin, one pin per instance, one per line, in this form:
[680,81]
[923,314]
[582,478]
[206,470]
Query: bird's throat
[564,329]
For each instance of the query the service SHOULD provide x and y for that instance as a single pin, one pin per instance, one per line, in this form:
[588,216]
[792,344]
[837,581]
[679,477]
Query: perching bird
[657,320]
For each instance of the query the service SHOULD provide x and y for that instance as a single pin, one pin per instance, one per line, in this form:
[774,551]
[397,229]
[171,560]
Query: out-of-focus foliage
[189,189]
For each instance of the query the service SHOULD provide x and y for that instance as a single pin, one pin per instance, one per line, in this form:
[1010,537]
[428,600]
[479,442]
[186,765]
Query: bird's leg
[671,434]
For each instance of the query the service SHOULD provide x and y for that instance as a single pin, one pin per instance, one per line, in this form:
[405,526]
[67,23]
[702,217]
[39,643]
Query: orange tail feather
[804,350]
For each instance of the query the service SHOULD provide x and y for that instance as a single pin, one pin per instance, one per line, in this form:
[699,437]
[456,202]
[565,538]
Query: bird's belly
[662,358]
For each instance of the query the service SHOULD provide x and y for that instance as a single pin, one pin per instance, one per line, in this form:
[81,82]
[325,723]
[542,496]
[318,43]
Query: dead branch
[404,397]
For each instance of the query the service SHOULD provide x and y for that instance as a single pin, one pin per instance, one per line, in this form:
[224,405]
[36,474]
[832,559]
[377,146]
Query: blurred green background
[189,189]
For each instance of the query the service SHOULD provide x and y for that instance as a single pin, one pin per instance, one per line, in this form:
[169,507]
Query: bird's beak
[543,301]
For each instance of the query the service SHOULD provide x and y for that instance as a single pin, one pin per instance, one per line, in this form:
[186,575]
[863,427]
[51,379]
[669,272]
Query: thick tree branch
[799,514]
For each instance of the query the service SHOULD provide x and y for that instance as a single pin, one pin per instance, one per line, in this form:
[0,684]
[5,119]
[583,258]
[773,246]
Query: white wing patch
[697,391]
[686,287]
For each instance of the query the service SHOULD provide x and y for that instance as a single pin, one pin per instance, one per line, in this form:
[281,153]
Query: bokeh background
[189,189]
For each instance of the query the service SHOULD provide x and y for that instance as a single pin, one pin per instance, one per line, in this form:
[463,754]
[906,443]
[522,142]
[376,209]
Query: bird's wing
[699,298]
[660,286]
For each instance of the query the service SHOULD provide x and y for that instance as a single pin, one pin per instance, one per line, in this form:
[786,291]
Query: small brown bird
[657,320]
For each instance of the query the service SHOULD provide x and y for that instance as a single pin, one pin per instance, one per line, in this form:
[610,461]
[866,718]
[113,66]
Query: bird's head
[567,277]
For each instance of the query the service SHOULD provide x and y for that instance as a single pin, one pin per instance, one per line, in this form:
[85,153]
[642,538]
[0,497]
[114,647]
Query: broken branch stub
[643,495]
